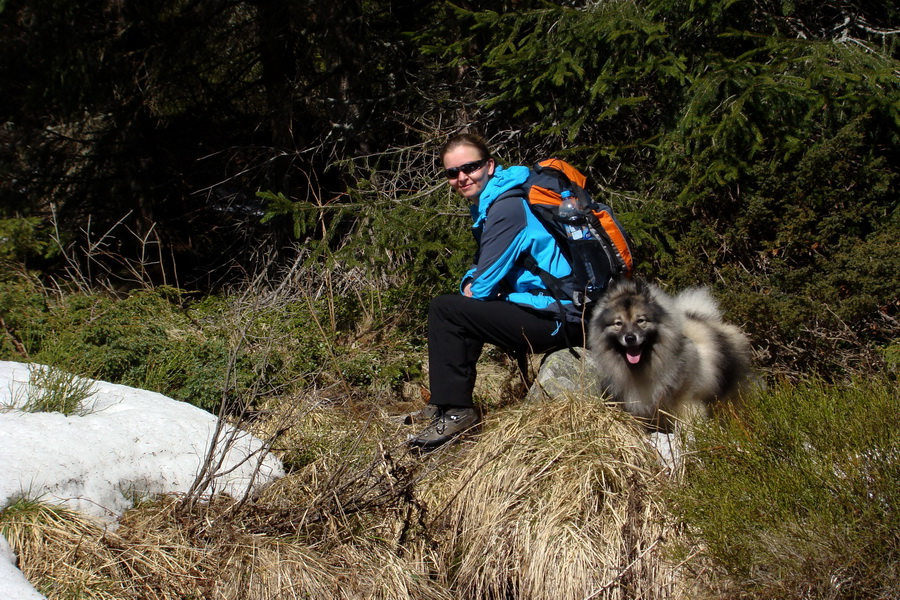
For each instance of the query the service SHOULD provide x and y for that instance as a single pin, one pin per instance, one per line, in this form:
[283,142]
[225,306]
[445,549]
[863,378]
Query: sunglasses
[468,168]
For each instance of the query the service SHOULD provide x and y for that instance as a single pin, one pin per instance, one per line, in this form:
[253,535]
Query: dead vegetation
[556,501]
[552,500]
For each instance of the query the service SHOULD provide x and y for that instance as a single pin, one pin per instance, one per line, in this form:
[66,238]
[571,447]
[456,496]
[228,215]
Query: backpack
[601,256]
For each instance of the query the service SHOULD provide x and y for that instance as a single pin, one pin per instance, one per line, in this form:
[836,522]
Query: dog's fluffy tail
[697,302]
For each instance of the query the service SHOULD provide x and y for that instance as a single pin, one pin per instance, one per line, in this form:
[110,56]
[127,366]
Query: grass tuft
[61,552]
[556,501]
[54,390]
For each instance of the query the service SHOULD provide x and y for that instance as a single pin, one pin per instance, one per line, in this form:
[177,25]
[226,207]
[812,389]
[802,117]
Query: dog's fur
[666,359]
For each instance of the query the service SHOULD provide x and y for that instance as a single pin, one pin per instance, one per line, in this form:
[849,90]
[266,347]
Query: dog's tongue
[633,355]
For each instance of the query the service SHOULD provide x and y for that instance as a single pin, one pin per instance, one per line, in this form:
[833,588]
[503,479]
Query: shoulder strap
[555,287]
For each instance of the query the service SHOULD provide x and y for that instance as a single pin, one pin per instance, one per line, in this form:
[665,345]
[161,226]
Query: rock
[562,374]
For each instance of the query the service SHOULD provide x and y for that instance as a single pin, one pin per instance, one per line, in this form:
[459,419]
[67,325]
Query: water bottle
[568,208]
[570,213]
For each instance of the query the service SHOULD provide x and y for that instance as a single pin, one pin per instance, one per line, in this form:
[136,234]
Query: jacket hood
[504,179]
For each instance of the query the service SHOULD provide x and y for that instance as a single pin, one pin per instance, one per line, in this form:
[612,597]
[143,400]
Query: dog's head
[627,321]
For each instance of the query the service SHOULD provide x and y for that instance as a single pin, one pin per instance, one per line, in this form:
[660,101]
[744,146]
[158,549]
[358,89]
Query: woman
[500,302]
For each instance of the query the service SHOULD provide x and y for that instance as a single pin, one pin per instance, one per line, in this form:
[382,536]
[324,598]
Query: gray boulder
[562,374]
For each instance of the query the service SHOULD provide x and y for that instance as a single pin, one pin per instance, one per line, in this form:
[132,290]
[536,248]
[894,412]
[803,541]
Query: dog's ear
[618,287]
[647,290]
[640,285]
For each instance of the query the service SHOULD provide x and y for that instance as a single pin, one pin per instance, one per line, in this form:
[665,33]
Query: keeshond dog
[666,359]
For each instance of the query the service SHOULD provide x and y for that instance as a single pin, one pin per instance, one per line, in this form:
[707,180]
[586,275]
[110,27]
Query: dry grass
[59,551]
[158,555]
[553,500]
[556,500]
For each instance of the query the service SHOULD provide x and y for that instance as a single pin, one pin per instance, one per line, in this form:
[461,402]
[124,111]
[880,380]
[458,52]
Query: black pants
[458,328]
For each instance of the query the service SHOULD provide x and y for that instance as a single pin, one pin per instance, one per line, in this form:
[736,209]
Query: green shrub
[22,238]
[23,308]
[380,367]
[147,339]
[798,497]
[238,348]
[805,255]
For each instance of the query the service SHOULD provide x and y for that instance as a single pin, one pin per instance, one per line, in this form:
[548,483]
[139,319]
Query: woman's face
[468,185]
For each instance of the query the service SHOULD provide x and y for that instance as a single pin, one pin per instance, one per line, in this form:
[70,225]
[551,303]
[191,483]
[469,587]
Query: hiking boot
[449,424]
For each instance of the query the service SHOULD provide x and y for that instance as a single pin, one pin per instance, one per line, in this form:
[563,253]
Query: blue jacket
[506,229]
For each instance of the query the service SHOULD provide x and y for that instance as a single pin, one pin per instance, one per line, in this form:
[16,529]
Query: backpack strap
[555,287]
[554,284]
